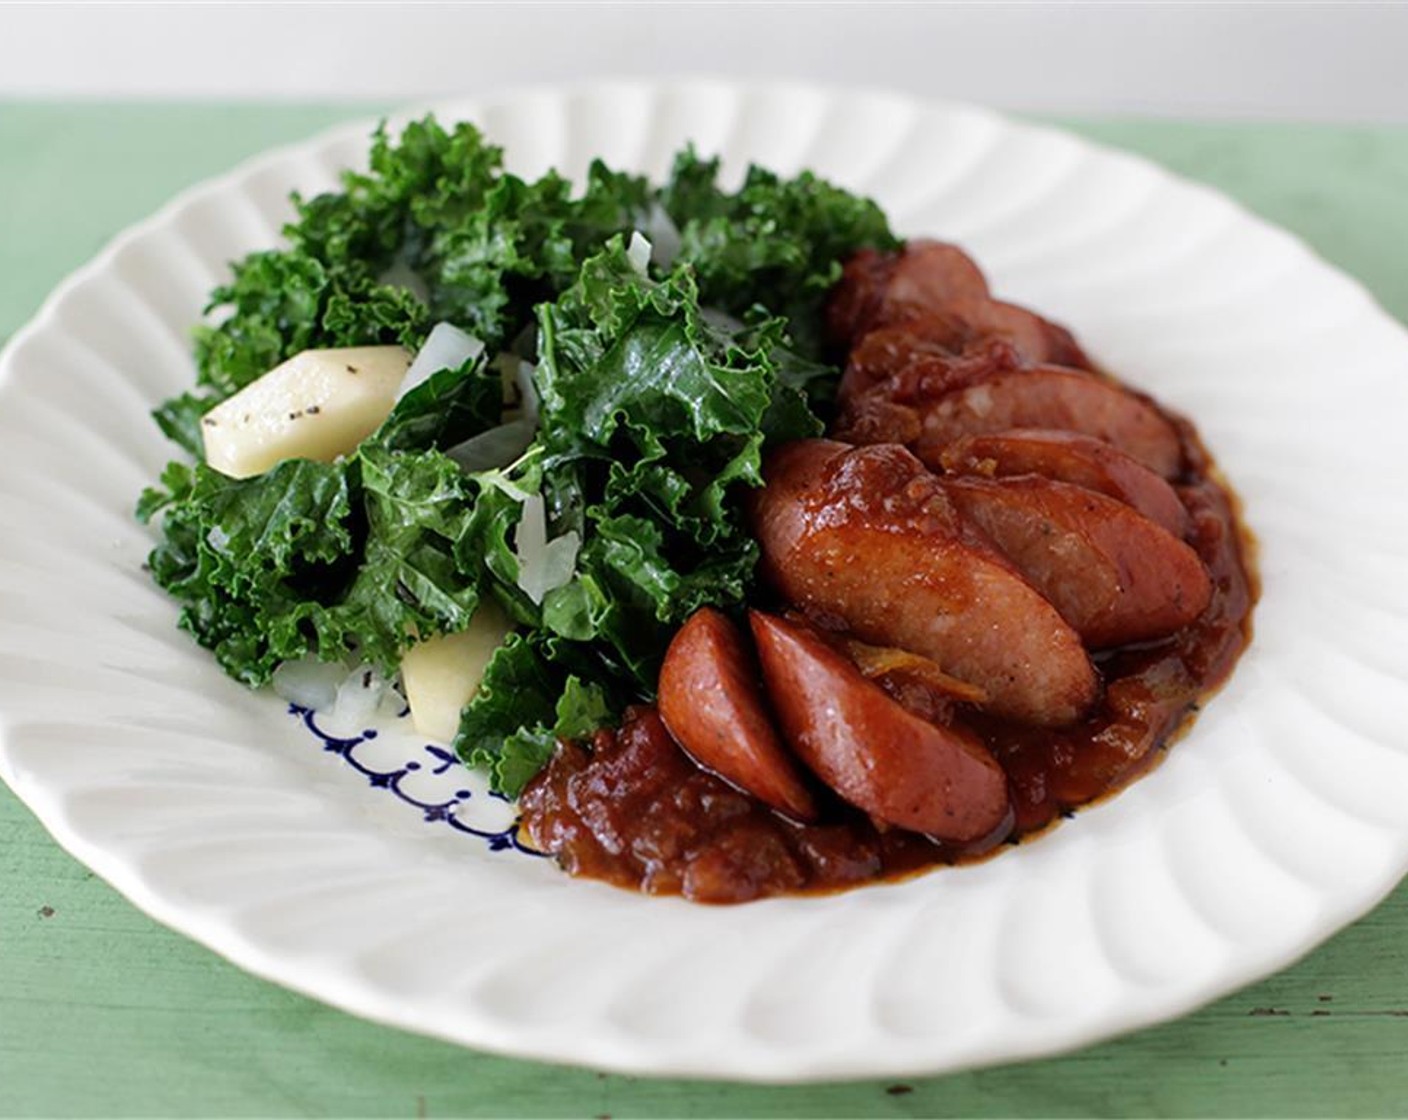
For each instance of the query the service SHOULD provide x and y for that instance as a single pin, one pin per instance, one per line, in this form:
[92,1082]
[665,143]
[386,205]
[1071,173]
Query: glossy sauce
[633,809]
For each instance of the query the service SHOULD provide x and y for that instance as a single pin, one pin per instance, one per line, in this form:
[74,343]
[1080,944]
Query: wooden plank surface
[103,1012]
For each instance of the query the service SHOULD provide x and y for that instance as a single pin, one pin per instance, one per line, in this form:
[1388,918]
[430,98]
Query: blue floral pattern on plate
[437,784]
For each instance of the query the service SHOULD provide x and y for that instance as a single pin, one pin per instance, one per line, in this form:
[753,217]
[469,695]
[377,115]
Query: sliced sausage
[1114,575]
[1051,397]
[894,372]
[880,287]
[897,767]
[711,701]
[912,363]
[868,537]
[1070,457]
[965,323]
[876,417]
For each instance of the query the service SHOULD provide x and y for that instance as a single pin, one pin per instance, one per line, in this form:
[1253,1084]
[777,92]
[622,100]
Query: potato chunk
[442,673]
[317,405]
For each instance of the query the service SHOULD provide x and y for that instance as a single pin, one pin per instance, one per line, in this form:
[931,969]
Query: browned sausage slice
[1112,573]
[898,768]
[1070,457]
[711,701]
[913,363]
[1051,397]
[876,417]
[868,537]
[880,288]
[973,320]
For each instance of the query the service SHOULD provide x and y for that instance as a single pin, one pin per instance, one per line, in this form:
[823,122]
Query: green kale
[507,724]
[330,559]
[448,407]
[525,245]
[653,422]
[775,243]
[253,560]
[418,508]
[281,302]
[660,390]
[486,246]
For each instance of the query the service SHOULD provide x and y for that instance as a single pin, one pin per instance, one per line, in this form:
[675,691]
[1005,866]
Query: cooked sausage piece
[711,701]
[1114,575]
[970,321]
[912,362]
[1069,457]
[1051,397]
[897,767]
[868,537]
[880,287]
[895,371]
[876,417]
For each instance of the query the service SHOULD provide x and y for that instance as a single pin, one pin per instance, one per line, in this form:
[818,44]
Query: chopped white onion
[498,447]
[309,683]
[502,445]
[527,391]
[638,252]
[393,703]
[358,699]
[530,538]
[560,560]
[542,564]
[447,347]
[664,236]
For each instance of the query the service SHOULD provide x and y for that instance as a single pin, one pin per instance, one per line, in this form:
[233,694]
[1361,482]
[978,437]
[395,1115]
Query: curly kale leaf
[776,243]
[654,417]
[252,561]
[660,391]
[330,559]
[523,706]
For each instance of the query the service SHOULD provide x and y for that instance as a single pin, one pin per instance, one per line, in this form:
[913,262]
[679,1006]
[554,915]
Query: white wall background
[1311,61]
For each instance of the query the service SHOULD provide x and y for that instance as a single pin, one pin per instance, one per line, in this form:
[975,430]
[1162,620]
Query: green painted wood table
[103,1012]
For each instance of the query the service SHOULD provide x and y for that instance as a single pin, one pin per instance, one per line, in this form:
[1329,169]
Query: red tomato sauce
[631,808]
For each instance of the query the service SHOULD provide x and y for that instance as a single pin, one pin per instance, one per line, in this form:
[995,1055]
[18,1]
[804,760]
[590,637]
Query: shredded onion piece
[393,704]
[358,699]
[543,564]
[639,252]
[664,236]
[502,445]
[527,391]
[309,683]
[886,661]
[447,347]
[497,447]
[560,560]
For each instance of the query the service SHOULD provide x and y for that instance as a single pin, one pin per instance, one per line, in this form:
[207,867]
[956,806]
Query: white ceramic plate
[349,874]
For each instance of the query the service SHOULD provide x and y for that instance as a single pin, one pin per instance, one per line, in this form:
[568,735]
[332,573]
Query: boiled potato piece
[442,673]
[317,405]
